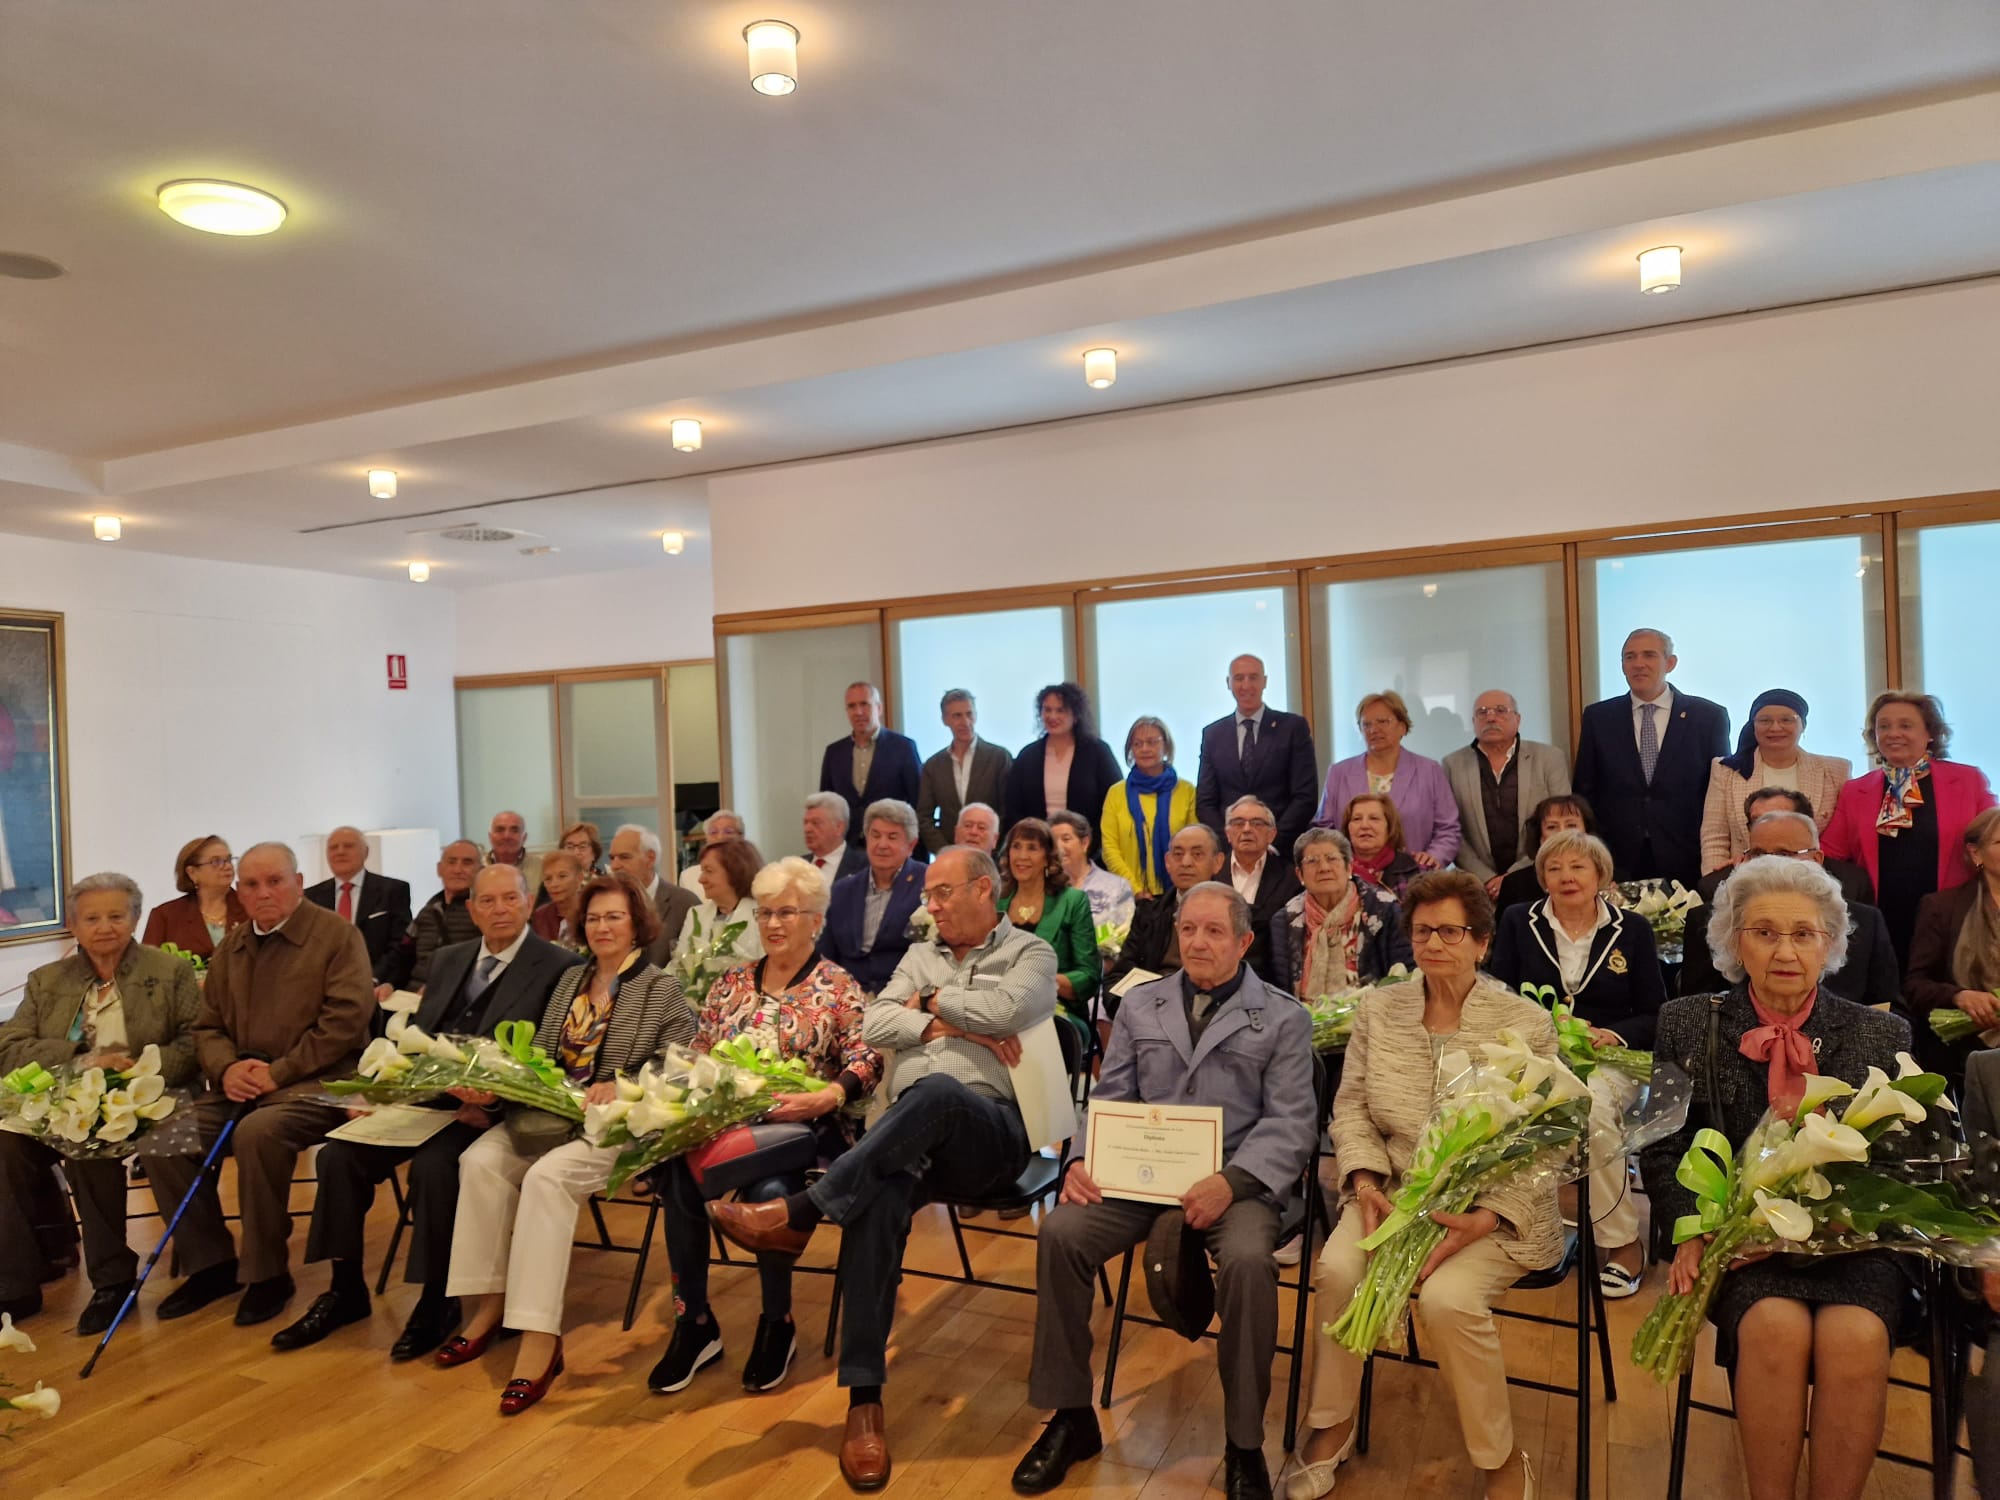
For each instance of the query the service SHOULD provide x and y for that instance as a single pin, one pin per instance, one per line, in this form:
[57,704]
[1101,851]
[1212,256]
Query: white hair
[978,807]
[1666,641]
[708,823]
[271,846]
[648,840]
[795,875]
[110,880]
[1239,909]
[1788,815]
[1772,876]
[832,804]
[890,810]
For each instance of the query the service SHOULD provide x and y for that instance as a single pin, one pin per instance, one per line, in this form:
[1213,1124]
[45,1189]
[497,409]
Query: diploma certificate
[1151,1152]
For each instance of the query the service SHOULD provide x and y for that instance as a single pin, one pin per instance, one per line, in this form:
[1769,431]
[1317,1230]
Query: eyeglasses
[1770,937]
[1322,862]
[1451,934]
[1235,823]
[226,861]
[941,893]
[766,915]
[1492,713]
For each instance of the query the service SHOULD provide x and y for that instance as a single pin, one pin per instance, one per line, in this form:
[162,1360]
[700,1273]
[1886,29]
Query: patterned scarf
[1787,1051]
[1333,945]
[1900,793]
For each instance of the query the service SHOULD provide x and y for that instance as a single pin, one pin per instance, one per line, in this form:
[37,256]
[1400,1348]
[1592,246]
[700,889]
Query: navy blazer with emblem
[1623,985]
[841,941]
[895,772]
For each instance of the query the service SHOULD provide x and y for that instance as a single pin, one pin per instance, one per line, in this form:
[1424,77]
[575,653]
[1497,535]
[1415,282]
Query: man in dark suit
[1260,752]
[377,905]
[507,974]
[967,771]
[1152,947]
[1870,975]
[868,915]
[1643,762]
[1854,882]
[635,853]
[872,763]
[1261,876]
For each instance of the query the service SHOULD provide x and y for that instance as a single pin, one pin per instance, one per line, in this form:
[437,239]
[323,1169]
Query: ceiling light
[1430,591]
[108,528]
[671,543]
[420,572]
[774,56]
[1100,367]
[1660,269]
[382,483]
[221,207]
[687,434]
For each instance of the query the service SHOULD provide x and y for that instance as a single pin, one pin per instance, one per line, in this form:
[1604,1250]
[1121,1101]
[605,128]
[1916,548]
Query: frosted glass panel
[1170,657]
[691,721]
[784,702]
[1770,614]
[1440,640]
[506,759]
[614,738]
[1946,574]
[1002,657]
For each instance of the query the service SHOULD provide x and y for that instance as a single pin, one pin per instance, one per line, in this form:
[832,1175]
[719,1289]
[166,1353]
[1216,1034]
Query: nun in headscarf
[1768,757]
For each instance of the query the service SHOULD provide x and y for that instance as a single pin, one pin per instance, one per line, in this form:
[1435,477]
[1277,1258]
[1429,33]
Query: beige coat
[1725,836]
[302,997]
[157,992]
[1388,1083]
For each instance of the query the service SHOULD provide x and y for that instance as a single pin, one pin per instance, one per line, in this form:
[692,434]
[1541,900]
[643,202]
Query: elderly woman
[1955,950]
[194,922]
[1415,784]
[1905,824]
[1374,832]
[1391,1078]
[1340,931]
[100,1007]
[1565,812]
[1778,927]
[587,844]
[726,872]
[519,1191]
[813,1010]
[1601,960]
[1069,767]
[555,919]
[1767,755]
[1145,810]
[1111,898]
[1036,896]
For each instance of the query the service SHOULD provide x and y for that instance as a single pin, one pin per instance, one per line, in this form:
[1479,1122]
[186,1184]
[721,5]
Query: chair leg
[958,1234]
[1104,1285]
[395,1239]
[1361,1411]
[597,1217]
[639,1268]
[1677,1462]
[1117,1327]
[1586,1265]
[1301,1288]
[721,1245]
[833,1315]
[1944,1430]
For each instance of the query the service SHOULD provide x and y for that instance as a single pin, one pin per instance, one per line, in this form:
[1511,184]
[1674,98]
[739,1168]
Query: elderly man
[978,827]
[101,1006]
[1258,751]
[1263,1083]
[445,918]
[951,1012]
[1870,976]
[870,763]
[286,1005]
[868,917]
[1495,780]
[720,827]
[967,773]
[1152,947]
[635,852]
[508,975]
[1854,882]
[376,904]
[1643,760]
[826,837]
[1265,881]
[507,844]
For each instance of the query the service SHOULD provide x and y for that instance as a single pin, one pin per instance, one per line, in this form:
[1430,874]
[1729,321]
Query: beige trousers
[517,1221]
[1454,1310]
[1612,1207]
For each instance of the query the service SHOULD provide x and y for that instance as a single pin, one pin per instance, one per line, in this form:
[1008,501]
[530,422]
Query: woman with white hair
[810,1009]
[1778,927]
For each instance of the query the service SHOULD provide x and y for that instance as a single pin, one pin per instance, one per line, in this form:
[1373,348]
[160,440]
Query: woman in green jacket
[1036,895]
[1144,811]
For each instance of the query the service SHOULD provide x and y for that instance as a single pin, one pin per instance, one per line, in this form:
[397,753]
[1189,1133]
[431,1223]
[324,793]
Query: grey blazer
[648,1014]
[672,901]
[1540,771]
[158,992]
[938,804]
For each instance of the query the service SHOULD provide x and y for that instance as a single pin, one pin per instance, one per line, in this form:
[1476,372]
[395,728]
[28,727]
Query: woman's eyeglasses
[1798,937]
[766,915]
[1451,934]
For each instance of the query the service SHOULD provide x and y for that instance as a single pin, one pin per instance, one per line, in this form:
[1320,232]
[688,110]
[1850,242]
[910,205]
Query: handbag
[747,1154]
[535,1132]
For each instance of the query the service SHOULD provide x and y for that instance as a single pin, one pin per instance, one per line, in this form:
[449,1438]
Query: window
[1440,639]
[1002,657]
[1944,572]
[507,758]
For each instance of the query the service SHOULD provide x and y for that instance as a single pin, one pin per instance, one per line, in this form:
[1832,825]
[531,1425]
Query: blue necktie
[482,977]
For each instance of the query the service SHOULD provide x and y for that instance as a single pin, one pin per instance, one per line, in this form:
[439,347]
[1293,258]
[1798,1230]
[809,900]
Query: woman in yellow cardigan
[1135,836]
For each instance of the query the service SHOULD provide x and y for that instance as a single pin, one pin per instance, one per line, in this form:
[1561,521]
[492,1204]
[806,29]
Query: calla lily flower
[1822,1140]
[145,1088]
[414,1042]
[13,1338]
[382,1059]
[1812,1184]
[148,1064]
[631,1090]
[445,1050]
[41,1402]
[1785,1218]
[598,1118]
[399,1022]
[707,1073]
[1821,1087]
[1879,1100]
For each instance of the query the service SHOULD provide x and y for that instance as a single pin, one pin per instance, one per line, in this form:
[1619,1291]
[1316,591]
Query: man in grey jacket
[1497,780]
[951,1013]
[1210,1034]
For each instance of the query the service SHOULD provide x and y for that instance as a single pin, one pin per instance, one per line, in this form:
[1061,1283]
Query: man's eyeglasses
[1451,934]
[1491,713]
[1237,823]
[941,894]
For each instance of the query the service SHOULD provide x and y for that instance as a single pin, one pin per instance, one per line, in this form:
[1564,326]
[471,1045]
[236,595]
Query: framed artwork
[34,778]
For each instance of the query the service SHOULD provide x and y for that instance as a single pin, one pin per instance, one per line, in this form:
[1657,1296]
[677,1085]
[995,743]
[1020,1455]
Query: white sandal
[1313,1481]
[1615,1281]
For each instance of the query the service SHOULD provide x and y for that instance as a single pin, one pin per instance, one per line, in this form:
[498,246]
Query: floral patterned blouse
[818,1020]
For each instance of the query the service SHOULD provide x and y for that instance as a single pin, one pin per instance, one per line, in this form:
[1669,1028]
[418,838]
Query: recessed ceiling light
[221,207]
[1660,269]
[1100,367]
[23,267]
[382,483]
[687,434]
[774,56]
[108,528]
[420,572]
[671,543]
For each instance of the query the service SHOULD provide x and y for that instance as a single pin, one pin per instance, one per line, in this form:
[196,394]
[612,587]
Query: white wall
[245,701]
[1853,402]
[661,613]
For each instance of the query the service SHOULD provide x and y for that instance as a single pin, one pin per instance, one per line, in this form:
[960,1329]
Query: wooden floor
[202,1408]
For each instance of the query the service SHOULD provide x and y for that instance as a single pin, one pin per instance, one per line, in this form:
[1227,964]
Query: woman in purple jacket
[1415,783]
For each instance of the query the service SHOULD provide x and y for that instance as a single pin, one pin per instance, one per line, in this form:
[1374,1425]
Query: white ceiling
[524,233]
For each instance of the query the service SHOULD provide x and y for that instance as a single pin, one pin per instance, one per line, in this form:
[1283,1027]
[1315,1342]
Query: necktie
[819,861]
[482,977]
[1249,738]
[1649,740]
[346,907]
[1202,1004]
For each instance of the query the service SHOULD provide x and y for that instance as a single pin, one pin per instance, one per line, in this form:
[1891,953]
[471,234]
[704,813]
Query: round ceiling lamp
[687,434]
[671,543]
[220,207]
[1100,367]
[382,483]
[774,57]
[1660,269]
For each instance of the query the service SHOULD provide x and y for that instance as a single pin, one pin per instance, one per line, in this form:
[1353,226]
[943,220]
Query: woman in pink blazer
[1905,824]
[1767,754]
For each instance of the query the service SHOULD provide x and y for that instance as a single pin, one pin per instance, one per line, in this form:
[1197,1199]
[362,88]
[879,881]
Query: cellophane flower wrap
[1333,1013]
[1507,1113]
[1662,909]
[706,960]
[1111,938]
[41,1401]
[688,1099]
[409,1065]
[1573,1043]
[1954,1025]
[88,1112]
[1814,1182]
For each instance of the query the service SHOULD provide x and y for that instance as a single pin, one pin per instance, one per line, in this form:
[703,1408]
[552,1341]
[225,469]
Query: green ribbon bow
[517,1040]
[740,1052]
[1572,1035]
[32,1078]
[1706,1171]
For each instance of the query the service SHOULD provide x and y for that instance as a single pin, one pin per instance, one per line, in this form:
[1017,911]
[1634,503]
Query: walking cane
[132,1297]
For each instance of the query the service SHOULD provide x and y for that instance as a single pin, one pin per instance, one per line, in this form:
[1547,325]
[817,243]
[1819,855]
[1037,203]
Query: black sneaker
[771,1356]
[102,1308]
[199,1290]
[692,1346]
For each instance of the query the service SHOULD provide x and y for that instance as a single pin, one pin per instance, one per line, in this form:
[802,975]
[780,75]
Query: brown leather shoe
[864,1451]
[760,1226]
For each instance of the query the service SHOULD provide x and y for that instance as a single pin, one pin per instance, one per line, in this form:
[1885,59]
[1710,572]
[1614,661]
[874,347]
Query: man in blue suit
[872,763]
[868,916]
[1258,751]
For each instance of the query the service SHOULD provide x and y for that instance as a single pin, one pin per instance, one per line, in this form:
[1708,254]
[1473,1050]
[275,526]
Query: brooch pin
[1616,962]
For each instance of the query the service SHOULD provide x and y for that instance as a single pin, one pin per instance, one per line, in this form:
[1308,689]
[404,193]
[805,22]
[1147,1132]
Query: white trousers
[1612,1207]
[517,1221]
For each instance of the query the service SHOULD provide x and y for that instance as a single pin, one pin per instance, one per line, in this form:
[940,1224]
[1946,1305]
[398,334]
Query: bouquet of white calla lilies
[702,962]
[416,1066]
[87,1112]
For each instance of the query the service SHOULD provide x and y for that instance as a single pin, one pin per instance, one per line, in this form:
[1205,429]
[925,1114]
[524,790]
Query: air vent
[479,534]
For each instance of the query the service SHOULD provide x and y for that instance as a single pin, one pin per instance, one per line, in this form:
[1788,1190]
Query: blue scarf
[1153,851]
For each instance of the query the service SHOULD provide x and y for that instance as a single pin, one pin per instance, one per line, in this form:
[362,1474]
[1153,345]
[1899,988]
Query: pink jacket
[1962,792]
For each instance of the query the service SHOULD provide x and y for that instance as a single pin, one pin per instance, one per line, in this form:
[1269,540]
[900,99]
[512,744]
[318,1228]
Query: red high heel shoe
[522,1394]
[460,1350]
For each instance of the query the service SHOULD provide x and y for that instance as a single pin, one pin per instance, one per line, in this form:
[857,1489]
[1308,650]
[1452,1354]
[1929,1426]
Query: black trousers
[348,1177]
[685,1212]
[34,1218]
